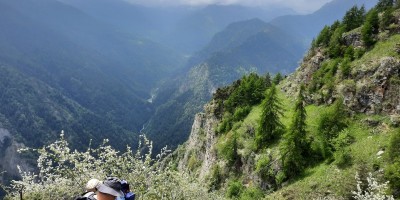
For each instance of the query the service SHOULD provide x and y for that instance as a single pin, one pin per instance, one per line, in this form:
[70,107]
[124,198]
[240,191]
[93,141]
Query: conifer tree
[267,80]
[387,19]
[335,48]
[270,126]
[277,78]
[323,37]
[354,18]
[370,28]
[384,4]
[295,147]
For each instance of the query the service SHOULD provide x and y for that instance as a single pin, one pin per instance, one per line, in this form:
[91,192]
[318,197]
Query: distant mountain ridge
[64,70]
[308,26]
[242,47]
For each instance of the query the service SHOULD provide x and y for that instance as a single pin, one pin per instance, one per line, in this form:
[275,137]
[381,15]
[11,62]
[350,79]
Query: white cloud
[302,6]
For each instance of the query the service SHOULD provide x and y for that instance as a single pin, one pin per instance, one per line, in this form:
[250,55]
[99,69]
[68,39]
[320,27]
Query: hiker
[110,189]
[91,189]
[125,189]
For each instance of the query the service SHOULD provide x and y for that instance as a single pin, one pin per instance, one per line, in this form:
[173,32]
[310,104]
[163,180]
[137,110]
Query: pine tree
[295,147]
[354,18]
[387,19]
[382,5]
[270,127]
[277,78]
[369,28]
[323,37]
[335,48]
[267,80]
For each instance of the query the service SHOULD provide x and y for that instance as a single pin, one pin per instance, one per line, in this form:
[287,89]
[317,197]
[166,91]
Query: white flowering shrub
[375,190]
[63,173]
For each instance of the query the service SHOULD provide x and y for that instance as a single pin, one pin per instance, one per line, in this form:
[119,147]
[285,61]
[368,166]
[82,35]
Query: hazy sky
[302,6]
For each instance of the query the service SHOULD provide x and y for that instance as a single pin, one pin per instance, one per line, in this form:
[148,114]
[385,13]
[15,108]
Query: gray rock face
[201,143]
[375,92]
[353,38]
[9,156]
[374,87]
[3,134]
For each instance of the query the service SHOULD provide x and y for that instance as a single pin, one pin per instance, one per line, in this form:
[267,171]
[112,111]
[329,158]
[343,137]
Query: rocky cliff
[200,153]
[371,87]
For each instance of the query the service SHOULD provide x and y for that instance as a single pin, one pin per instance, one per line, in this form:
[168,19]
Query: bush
[342,158]
[216,178]
[193,162]
[374,190]
[359,52]
[241,113]
[263,167]
[349,53]
[226,124]
[345,68]
[329,126]
[394,147]
[63,173]
[235,188]
[392,173]
[252,193]
[229,149]
[342,154]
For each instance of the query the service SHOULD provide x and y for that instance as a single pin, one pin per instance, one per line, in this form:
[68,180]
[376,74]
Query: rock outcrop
[373,87]
[200,154]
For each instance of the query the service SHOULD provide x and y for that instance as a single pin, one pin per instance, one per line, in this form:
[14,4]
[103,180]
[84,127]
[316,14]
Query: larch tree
[270,126]
[295,148]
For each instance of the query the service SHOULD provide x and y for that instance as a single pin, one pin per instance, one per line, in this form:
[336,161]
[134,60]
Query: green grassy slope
[324,178]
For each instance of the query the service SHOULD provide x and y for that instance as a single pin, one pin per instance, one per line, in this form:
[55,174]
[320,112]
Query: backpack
[86,196]
[130,196]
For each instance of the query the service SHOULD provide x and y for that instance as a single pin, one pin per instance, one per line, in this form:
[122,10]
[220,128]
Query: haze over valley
[116,69]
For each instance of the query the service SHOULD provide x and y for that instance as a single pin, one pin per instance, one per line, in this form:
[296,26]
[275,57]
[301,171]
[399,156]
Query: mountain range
[104,69]
[242,47]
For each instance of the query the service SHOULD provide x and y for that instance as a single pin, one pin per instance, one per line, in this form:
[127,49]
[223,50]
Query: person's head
[92,184]
[109,189]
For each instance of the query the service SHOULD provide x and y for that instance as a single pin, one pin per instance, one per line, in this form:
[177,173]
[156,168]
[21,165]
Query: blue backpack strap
[130,196]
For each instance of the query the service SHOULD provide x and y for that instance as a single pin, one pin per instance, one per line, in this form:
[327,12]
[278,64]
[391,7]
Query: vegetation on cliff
[329,131]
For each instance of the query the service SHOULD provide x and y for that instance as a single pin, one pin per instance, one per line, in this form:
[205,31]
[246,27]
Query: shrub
[374,191]
[263,167]
[252,193]
[229,149]
[226,124]
[345,68]
[235,188]
[359,52]
[394,147]
[215,179]
[342,158]
[241,113]
[63,173]
[349,53]
[392,172]
[329,125]
[193,162]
